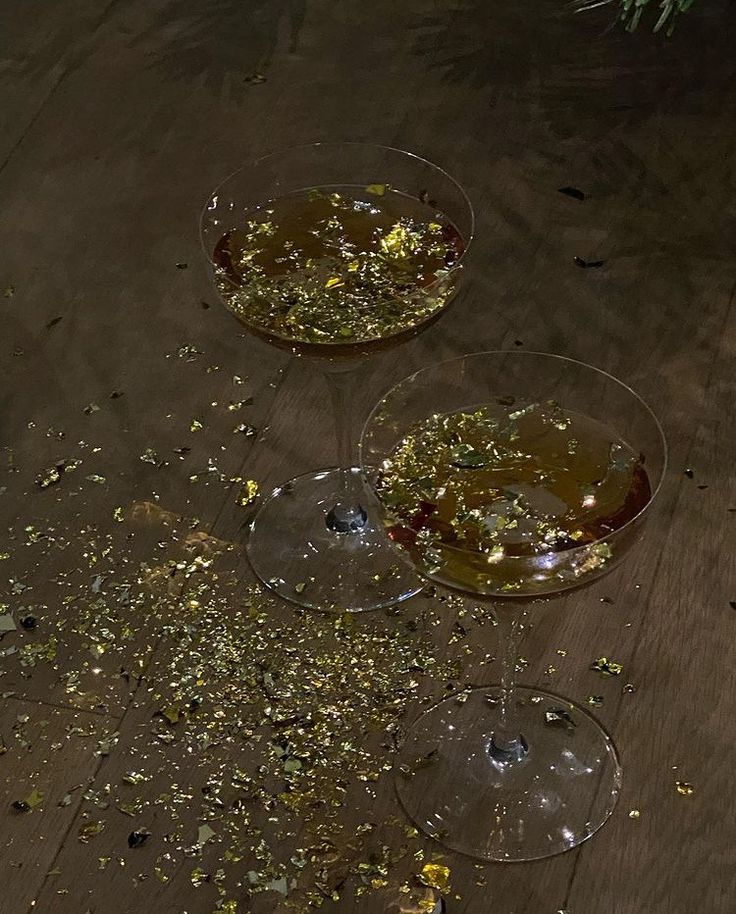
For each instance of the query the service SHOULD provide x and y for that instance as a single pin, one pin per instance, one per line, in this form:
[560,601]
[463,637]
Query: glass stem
[508,745]
[347,515]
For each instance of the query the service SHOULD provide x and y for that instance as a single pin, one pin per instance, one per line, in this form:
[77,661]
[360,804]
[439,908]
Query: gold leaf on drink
[325,267]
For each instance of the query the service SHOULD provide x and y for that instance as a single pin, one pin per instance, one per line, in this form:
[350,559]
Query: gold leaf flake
[685,789]
[378,190]
[436,876]
[34,799]
[204,834]
[248,493]
[227,907]
[199,877]
[606,667]
[107,743]
[134,777]
[90,829]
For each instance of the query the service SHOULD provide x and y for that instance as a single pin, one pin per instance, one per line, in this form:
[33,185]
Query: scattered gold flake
[606,667]
[199,877]
[684,788]
[188,352]
[204,834]
[134,777]
[53,475]
[195,425]
[560,717]
[595,700]
[150,456]
[634,814]
[248,493]
[32,654]
[88,830]
[7,623]
[118,515]
[436,876]
[107,743]
[378,190]
[94,477]
[231,669]
[32,801]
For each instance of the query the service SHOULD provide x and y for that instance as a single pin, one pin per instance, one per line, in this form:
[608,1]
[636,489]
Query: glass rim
[337,144]
[546,355]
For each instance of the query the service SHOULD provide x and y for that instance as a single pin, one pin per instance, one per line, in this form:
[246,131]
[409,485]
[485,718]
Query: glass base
[296,555]
[556,797]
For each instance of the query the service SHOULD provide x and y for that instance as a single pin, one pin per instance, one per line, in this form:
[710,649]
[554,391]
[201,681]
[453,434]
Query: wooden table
[117,120]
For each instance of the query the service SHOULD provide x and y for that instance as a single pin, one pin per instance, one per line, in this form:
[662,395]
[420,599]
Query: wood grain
[55,753]
[117,121]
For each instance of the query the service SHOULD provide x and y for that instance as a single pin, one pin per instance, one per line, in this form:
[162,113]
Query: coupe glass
[313,540]
[512,773]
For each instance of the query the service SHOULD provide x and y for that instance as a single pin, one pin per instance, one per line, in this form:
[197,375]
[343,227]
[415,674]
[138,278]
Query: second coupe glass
[512,477]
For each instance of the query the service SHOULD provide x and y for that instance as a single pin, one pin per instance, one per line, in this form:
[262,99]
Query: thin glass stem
[347,514]
[508,745]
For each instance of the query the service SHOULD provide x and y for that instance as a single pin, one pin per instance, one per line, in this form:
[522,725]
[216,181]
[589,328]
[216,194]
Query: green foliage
[632,11]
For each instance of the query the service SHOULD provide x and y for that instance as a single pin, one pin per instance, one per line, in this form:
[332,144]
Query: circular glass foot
[295,553]
[561,792]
